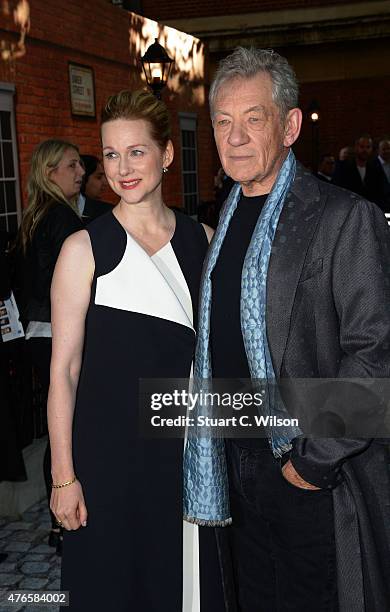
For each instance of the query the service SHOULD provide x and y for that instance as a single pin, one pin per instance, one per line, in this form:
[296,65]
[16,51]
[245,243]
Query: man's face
[327,165]
[251,138]
[384,150]
[363,149]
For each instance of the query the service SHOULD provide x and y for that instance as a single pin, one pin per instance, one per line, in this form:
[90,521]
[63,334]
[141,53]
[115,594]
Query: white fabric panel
[166,262]
[138,285]
[191,584]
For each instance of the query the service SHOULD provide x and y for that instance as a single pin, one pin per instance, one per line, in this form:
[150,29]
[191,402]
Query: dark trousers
[40,353]
[282,538]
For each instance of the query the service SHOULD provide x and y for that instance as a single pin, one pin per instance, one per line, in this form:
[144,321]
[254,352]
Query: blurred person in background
[326,167]
[347,152]
[351,174]
[11,459]
[94,183]
[378,177]
[51,216]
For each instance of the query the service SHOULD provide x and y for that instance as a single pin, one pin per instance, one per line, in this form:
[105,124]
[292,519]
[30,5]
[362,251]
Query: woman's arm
[70,295]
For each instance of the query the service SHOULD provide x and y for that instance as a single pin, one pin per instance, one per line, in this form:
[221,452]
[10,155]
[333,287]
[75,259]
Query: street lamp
[314,111]
[157,65]
[314,116]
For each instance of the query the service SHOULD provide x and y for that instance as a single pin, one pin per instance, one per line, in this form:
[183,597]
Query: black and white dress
[139,325]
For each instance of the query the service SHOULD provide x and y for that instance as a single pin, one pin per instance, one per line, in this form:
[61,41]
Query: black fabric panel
[108,241]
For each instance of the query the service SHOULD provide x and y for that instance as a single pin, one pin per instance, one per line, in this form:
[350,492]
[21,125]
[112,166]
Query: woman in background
[94,183]
[51,216]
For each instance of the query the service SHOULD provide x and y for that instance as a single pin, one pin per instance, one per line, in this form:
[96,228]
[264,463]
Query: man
[296,285]
[326,168]
[378,177]
[351,174]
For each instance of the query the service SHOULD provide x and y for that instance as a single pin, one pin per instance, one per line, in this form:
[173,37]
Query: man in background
[351,174]
[378,177]
[326,168]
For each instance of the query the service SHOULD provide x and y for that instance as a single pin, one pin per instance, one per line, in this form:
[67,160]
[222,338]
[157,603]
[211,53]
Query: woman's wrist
[66,483]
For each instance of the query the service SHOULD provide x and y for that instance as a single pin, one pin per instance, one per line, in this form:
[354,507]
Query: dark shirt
[41,257]
[378,185]
[347,175]
[228,354]
[94,208]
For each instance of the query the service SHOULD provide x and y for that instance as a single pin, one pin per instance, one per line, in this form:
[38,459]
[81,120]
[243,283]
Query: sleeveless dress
[139,325]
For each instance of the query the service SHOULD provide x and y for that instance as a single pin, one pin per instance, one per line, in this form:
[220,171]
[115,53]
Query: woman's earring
[165,170]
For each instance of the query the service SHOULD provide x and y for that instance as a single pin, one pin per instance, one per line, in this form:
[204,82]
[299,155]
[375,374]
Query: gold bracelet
[64,484]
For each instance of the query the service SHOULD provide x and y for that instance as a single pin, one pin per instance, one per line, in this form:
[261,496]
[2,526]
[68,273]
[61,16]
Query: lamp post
[157,65]
[314,118]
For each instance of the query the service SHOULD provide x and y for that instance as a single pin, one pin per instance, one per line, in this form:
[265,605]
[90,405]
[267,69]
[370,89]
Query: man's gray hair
[247,63]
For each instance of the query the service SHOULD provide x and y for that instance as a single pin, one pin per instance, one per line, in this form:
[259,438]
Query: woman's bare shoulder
[78,243]
[76,254]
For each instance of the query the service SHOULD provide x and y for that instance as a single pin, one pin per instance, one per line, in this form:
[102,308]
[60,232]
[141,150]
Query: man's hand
[294,478]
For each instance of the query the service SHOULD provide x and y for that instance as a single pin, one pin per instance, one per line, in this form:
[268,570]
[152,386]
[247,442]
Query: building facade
[339,49]
[94,48]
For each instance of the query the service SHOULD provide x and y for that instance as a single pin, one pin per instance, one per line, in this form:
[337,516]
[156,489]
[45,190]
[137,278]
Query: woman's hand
[69,507]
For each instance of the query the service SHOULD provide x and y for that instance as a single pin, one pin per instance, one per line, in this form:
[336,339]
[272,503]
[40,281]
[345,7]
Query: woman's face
[133,161]
[68,174]
[96,182]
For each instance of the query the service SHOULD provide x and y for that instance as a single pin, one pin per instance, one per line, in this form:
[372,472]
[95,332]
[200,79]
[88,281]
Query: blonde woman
[51,216]
[137,271]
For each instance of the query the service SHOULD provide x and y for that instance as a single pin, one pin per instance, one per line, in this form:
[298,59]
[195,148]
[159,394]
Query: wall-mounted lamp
[157,65]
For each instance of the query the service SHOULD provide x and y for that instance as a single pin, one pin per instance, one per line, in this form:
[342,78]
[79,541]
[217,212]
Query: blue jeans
[282,539]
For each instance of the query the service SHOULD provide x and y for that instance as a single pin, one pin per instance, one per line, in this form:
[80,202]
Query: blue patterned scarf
[206,500]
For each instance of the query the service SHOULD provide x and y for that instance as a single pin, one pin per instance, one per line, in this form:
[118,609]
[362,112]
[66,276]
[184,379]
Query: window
[10,209]
[189,162]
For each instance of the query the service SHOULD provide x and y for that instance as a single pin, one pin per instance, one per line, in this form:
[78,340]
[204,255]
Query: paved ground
[31,564]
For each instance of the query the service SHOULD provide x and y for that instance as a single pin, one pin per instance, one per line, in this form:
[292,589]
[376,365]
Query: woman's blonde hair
[140,104]
[41,190]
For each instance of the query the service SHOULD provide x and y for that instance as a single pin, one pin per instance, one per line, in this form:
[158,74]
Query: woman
[94,182]
[51,216]
[137,271]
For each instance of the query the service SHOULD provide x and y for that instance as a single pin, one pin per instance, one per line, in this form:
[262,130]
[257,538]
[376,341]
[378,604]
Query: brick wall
[347,110]
[171,9]
[110,41]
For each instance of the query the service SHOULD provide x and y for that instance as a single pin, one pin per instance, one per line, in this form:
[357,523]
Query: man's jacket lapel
[293,237]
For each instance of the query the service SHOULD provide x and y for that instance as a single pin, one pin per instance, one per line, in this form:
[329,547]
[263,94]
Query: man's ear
[168,154]
[292,126]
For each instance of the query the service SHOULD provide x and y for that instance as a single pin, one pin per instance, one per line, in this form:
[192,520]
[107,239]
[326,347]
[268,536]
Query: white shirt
[362,172]
[81,204]
[38,329]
